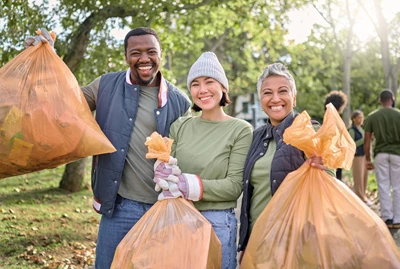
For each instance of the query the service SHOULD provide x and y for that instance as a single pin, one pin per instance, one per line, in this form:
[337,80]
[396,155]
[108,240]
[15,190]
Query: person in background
[359,168]
[339,101]
[270,159]
[211,150]
[384,124]
[130,105]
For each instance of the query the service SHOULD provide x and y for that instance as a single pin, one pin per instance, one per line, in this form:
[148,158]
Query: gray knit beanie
[208,65]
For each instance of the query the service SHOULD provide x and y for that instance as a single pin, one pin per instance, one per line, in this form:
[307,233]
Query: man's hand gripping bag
[172,234]
[314,220]
[45,120]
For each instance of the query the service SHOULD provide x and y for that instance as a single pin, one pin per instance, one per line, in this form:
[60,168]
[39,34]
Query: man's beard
[146,82]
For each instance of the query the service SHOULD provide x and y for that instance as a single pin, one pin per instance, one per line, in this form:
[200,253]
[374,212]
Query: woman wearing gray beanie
[211,150]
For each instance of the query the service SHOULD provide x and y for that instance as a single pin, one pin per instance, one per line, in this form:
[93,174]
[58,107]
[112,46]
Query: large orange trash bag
[314,220]
[172,234]
[45,120]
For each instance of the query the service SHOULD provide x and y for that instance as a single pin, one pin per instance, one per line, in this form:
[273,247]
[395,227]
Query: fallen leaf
[22,234]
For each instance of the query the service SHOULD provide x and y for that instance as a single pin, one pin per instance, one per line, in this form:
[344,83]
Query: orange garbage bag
[172,234]
[45,120]
[314,220]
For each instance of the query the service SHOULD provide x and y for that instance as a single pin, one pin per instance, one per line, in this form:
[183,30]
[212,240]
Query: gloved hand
[43,37]
[164,172]
[189,186]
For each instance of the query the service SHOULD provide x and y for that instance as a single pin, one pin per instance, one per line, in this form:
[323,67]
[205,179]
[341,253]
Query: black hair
[355,114]
[338,100]
[386,95]
[140,31]
[224,102]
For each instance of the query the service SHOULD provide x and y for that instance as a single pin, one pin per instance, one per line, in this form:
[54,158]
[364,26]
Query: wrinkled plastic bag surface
[172,234]
[158,147]
[44,118]
[314,220]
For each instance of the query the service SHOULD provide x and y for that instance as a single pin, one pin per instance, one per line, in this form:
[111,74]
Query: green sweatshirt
[215,151]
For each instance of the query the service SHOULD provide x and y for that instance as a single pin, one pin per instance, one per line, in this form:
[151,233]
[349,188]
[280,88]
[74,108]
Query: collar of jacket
[270,130]
[163,91]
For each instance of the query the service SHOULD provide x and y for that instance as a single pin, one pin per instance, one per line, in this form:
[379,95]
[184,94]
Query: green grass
[43,226]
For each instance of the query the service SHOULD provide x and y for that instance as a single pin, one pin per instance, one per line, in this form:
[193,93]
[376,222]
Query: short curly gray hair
[276,69]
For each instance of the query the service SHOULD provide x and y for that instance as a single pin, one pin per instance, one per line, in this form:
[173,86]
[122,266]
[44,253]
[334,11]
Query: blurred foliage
[246,35]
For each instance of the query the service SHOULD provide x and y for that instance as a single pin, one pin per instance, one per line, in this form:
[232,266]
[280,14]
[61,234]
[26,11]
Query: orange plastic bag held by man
[173,233]
[314,220]
[44,118]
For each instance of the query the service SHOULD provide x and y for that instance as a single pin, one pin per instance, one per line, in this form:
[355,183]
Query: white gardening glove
[44,37]
[164,172]
[189,186]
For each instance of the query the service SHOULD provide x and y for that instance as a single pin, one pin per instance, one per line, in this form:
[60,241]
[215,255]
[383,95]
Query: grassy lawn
[44,227]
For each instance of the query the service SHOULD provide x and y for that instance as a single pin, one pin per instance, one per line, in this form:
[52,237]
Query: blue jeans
[224,223]
[112,230]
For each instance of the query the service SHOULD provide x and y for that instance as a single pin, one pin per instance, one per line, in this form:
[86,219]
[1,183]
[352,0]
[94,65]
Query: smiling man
[143,55]
[130,105]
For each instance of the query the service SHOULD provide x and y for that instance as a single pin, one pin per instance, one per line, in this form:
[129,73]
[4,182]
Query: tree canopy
[246,35]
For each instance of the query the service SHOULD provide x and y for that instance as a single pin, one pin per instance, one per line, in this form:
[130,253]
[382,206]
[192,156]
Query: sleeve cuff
[195,187]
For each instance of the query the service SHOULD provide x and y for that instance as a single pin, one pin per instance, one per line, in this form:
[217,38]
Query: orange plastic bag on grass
[172,234]
[314,220]
[44,118]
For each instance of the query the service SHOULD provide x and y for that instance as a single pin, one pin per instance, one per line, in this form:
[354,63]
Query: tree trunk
[346,87]
[395,81]
[348,58]
[389,69]
[74,175]
[232,107]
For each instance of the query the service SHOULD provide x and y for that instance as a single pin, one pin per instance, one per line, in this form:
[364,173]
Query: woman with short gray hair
[270,159]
